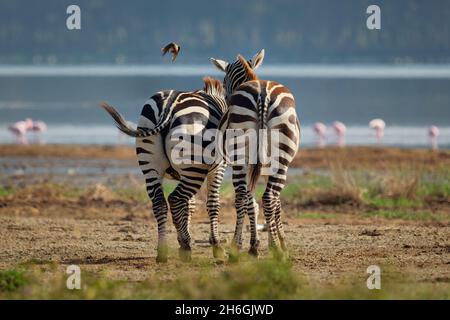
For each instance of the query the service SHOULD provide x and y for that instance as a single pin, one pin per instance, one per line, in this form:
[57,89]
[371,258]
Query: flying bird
[173,48]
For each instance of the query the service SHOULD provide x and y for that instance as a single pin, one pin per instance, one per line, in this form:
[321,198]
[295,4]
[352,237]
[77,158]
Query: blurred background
[337,68]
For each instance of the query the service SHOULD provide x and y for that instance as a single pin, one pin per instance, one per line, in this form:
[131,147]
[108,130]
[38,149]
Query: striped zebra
[165,115]
[254,105]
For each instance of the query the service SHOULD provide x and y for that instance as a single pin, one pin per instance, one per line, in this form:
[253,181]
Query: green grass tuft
[11,280]
[408,215]
[250,279]
[5,191]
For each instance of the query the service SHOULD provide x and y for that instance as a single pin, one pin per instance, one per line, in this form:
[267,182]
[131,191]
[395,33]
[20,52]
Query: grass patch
[5,191]
[73,193]
[316,215]
[138,194]
[394,203]
[303,184]
[408,215]
[11,280]
[227,190]
[250,279]
[398,188]
[169,186]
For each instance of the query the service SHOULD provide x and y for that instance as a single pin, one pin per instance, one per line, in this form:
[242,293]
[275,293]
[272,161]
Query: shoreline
[308,158]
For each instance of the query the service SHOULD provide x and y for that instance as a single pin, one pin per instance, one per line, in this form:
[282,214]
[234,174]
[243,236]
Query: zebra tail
[255,169]
[123,126]
[255,172]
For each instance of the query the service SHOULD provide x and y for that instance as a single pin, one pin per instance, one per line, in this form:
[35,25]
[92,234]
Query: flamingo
[38,128]
[378,125]
[433,133]
[340,130]
[320,129]
[20,128]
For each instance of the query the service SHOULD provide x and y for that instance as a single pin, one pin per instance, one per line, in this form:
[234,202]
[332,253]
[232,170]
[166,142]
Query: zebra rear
[260,105]
[162,115]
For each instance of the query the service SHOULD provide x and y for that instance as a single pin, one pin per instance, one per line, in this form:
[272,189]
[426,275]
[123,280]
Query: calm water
[409,98]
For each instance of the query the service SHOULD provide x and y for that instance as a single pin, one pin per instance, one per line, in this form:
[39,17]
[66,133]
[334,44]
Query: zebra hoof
[218,252]
[185,255]
[233,257]
[253,251]
[234,253]
[283,245]
[278,254]
[161,257]
[254,245]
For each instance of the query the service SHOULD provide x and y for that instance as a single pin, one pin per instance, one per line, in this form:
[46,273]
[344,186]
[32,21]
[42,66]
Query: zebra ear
[257,59]
[219,64]
[251,75]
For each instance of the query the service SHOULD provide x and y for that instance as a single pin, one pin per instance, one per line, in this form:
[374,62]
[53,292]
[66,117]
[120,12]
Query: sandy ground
[321,250]
[120,237]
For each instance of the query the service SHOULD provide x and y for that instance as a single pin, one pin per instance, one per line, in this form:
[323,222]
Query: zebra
[163,115]
[259,104]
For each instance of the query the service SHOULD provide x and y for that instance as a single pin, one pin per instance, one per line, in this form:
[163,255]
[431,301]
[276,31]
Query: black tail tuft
[255,172]
[120,122]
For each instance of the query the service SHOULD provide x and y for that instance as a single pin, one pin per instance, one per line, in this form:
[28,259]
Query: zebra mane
[213,87]
[251,75]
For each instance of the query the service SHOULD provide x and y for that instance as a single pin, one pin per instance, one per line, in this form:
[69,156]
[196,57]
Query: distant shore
[309,158]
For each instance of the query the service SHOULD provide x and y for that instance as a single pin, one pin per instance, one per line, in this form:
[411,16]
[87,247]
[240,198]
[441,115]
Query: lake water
[408,98]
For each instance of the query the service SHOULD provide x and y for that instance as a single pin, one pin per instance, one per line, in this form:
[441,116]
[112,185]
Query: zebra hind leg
[279,224]
[253,211]
[272,213]
[269,202]
[179,201]
[241,204]
[241,200]
[156,194]
[213,206]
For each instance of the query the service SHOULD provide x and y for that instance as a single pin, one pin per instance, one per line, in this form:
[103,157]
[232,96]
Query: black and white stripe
[168,113]
[254,105]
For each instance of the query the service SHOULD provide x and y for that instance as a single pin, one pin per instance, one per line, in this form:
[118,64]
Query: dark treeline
[292,31]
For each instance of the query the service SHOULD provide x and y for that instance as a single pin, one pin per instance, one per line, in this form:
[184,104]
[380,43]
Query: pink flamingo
[320,129]
[20,128]
[39,127]
[378,125]
[433,133]
[340,129]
